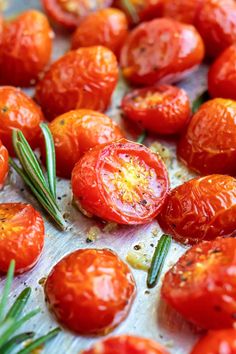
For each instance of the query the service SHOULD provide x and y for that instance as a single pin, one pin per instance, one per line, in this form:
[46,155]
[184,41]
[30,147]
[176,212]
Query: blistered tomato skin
[3,164]
[209,144]
[90,291]
[217,342]
[146,9]
[84,78]
[201,209]
[26,48]
[182,10]
[21,236]
[162,49]
[162,109]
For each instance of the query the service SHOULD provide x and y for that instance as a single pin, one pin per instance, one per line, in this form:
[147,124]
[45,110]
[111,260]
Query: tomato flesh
[3,164]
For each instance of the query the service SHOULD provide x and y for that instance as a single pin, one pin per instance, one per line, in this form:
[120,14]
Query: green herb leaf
[199,101]
[141,137]
[129,7]
[19,304]
[14,342]
[6,290]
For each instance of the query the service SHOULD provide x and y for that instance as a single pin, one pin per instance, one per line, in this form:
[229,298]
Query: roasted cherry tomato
[83,78]
[90,291]
[21,236]
[201,209]
[126,345]
[162,109]
[3,164]
[162,49]
[209,144]
[69,13]
[123,182]
[182,10]
[141,10]
[18,111]
[76,132]
[201,285]
[217,342]
[26,48]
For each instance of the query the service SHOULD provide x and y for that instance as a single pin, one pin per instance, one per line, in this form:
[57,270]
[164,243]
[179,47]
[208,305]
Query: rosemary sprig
[13,343]
[129,7]
[141,137]
[199,101]
[37,342]
[6,289]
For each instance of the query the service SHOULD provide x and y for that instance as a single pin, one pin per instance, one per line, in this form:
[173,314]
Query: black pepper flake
[137,247]
[88,240]
[143,202]
[4,109]
[147,292]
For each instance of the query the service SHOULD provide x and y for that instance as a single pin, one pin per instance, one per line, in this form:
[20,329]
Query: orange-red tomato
[26,48]
[3,164]
[90,291]
[21,236]
[161,109]
[209,144]
[107,27]
[83,78]
[144,9]
[201,285]
[201,209]
[18,111]
[182,10]
[217,342]
[162,49]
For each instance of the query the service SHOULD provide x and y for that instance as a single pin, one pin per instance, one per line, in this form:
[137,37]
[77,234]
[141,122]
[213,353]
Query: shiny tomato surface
[217,342]
[201,209]
[209,144]
[123,182]
[201,285]
[18,111]
[26,48]
[3,164]
[182,10]
[76,132]
[144,9]
[162,109]
[90,291]
[21,236]
[84,78]
[162,49]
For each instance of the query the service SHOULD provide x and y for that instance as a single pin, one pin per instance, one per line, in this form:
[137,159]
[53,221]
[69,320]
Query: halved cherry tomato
[126,345]
[69,13]
[182,10]
[217,342]
[83,78]
[76,132]
[90,291]
[162,49]
[209,144]
[26,48]
[21,236]
[144,9]
[122,182]
[201,209]
[107,27]
[3,164]
[201,285]
[162,109]
[18,111]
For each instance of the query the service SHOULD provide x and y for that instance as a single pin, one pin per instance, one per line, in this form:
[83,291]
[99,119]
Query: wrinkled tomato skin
[126,345]
[209,144]
[201,209]
[201,285]
[217,342]
[21,236]
[26,48]
[161,50]
[122,182]
[3,164]
[107,27]
[146,9]
[90,291]
[185,11]
[84,78]
[18,111]
[167,114]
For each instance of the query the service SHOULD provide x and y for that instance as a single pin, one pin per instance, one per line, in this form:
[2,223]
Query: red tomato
[201,285]
[209,144]
[201,209]
[144,9]
[122,182]
[217,342]
[84,78]
[21,236]
[26,48]
[182,10]
[18,111]
[3,164]
[162,49]
[90,291]
[162,109]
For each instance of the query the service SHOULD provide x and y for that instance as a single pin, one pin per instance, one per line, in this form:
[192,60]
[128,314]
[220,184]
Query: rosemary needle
[131,10]
[6,289]
[142,137]
[19,304]
[41,340]
[14,342]
[200,100]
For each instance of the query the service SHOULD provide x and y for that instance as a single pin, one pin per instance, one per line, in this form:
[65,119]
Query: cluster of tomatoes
[91,291]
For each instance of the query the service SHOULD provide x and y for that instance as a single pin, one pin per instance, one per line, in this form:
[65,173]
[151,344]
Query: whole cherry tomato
[76,132]
[3,164]
[69,13]
[201,209]
[162,49]
[83,78]
[26,48]
[126,345]
[182,10]
[90,291]
[123,182]
[209,144]
[18,111]
[201,285]
[107,27]
[21,236]
[141,10]
[161,109]
[217,342]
